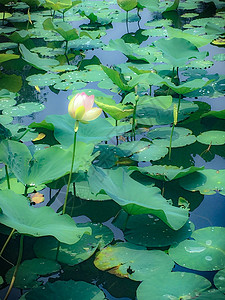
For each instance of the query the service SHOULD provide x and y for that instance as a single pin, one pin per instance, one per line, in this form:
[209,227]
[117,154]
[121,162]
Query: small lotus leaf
[207,182]
[219,57]
[40,80]
[219,280]
[65,290]
[74,254]
[17,213]
[131,261]
[166,173]
[212,137]
[30,270]
[181,136]
[174,285]
[23,109]
[204,252]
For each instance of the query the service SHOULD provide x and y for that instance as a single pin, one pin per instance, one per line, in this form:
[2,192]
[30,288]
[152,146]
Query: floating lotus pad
[212,137]
[30,270]
[211,294]
[181,137]
[131,261]
[65,290]
[219,280]
[46,79]
[207,182]
[205,252]
[174,285]
[23,109]
[149,231]
[166,173]
[17,213]
[46,247]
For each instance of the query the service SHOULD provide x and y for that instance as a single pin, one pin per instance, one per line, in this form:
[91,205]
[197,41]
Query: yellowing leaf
[39,137]
[36,198]
[37,88]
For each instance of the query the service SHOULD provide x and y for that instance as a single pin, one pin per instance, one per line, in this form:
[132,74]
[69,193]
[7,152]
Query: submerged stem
[7,176]
[7,241]
[16,268]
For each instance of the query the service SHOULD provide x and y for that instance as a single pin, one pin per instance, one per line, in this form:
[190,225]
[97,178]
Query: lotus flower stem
[26,189]
[127,22]
[171,136]
[134,113]
[7,176]
[16,268]
[7,241]
[72,163]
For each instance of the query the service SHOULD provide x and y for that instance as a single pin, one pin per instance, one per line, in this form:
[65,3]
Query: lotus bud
[127,5]
[81,108]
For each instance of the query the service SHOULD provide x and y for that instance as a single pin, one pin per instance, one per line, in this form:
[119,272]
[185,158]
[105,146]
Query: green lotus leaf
[6,103]
[198,41]
[219,280]
[211,294]
[217,114]
[134,197]
[23,109]
[63,28]
[58,4]
[219,57]
[36,61]
[6,57]
[204,252]
[74,254]
[166,173]
[13,82]
[152,114]
[149,231]
[19,36]
[203,21]
[30,270]
[181,136]
[212,137]
[207,182]
[159,23]
[65,289]
[127,5]
[174,285]
[5,15]
[7,45]
[144,151]
[17,187]
[5,120]
[46,165]
[189,15]
[46,79]
[85,43]
[93,132]
[179,50]
[202,64]
[131,261]
[17,213]
[117,111]
[164,102]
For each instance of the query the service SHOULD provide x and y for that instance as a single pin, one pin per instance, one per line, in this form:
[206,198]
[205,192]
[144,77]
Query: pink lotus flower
[81,108]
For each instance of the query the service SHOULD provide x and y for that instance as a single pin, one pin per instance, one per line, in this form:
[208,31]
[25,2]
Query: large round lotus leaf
[152,114]
[76,253]
[30,270]
[181,137]
[95,131]
[64,85]
[23,109]
[205,252]
[135,198]
[7,45]
[83,191]
[144,151]
[17,213]
[127,4]
[131,261]
[179,50]
[217,114]
[5,120]
[211,294]
[149,231]
[65,290]
[207,182]
[174,285]
[166,173]
[46,79]
[212,137]
[219,280]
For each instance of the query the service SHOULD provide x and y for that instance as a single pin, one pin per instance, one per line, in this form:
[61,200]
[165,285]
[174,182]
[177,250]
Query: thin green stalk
[171,140]
[25,132]
[178,108]
[117,138]
[26,190]
[7,176]
[71,170]
[7,241]
[134,113]
[16,268]
[127,22]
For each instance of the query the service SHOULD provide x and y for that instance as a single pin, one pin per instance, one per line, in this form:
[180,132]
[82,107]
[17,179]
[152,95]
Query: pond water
[148,183]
